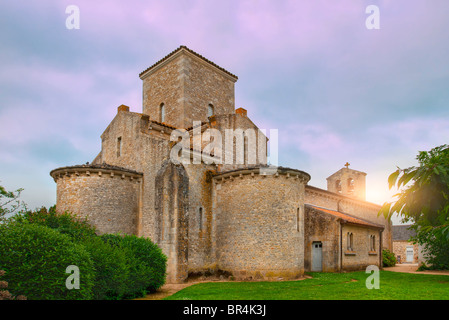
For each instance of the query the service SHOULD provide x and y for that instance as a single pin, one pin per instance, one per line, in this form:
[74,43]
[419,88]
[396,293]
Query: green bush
[112,269]
[388,258]
[35,259]
[146,261]
[66,223]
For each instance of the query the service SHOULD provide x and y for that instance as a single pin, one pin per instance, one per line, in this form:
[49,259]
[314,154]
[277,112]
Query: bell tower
[348,182]
[184,87]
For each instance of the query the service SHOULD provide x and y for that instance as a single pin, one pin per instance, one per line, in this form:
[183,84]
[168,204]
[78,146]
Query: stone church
[233,217]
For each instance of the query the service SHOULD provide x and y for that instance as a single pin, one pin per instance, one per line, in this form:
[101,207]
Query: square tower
[184,87]
[348,182]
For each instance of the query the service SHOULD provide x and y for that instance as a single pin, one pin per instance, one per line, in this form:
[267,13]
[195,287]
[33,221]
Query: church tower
[348,182]
[184,87]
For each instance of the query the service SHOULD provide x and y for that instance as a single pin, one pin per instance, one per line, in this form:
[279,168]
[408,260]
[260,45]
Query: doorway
[409,254]
[317,256]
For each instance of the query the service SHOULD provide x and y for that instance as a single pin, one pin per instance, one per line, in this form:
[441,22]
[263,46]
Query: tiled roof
[191,51]
[347,217]
[402,232]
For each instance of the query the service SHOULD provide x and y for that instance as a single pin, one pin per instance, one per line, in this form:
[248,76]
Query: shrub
[146,261]
[4,293]
[112,270]
[35,259]
[388,258]
[66,223]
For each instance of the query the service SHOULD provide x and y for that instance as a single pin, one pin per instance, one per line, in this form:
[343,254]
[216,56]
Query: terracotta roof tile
[347,217]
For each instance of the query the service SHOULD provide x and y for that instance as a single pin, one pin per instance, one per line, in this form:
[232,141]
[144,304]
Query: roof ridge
[191,51]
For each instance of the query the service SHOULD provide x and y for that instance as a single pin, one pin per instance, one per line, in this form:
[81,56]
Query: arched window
[162,112]
[210,110]
[373,243]
[338,186]
[350,185]
[349,242]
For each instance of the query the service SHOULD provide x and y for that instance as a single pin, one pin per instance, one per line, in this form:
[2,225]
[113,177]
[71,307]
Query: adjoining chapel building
[234,218]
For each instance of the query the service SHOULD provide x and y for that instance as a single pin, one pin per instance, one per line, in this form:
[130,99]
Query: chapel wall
[259,223]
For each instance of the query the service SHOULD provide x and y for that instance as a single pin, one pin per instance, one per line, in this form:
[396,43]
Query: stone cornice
[103,170]
[265,172]
[332,195]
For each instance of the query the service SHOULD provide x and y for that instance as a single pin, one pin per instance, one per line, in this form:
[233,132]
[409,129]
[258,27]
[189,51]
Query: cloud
[336,91]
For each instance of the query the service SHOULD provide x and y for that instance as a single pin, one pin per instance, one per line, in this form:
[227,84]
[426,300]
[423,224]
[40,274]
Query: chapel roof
[346,217]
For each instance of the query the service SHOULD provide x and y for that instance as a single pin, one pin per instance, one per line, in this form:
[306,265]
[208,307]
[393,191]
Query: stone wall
[200,217]
[400,250]
[360,256]
[110,198]
[258,223]
[324,228]
[361,209]
[186,84]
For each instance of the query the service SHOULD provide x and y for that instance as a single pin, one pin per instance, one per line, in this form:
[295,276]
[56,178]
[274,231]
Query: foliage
[111,269]
[434,246]
[118,266]
[388,258]
[424,200]
[9,202]
[146,261]
[66,223]
[35,259]
[4,293]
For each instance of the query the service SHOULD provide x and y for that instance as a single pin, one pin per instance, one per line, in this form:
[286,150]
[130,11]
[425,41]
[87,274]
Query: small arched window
[373,243]
[350,185]
[162,112]
[349,241]
[338,186]
[210,110]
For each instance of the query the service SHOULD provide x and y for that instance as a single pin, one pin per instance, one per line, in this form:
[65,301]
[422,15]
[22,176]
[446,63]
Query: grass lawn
[325,286]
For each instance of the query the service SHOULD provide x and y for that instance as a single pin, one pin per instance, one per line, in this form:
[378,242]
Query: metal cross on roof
[347,165]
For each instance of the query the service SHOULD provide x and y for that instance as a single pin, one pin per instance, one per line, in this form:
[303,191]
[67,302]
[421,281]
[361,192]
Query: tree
[424,200]
[9,202]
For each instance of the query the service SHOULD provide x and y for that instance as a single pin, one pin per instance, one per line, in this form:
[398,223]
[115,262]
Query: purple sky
[336,91]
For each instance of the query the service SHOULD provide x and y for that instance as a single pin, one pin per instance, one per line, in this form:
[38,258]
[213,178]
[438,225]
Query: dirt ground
[411,268]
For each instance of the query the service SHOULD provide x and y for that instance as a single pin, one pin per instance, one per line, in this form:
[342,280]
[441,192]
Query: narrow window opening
[200,218]
[338,186]
[119,146]
[349,242]
[350,185]
[162,112]
[210,110]
[297,219]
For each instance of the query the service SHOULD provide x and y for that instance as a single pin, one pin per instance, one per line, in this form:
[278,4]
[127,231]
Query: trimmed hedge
[124,266]
[112,270]
[35,259]
[146,261]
